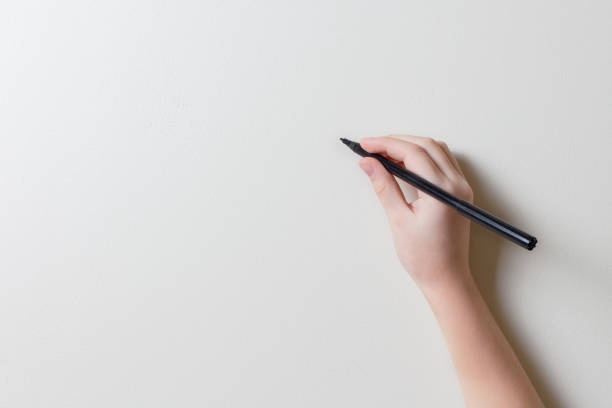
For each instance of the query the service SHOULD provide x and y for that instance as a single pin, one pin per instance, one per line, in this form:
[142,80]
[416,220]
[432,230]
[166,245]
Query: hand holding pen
[439,189]
[431,237]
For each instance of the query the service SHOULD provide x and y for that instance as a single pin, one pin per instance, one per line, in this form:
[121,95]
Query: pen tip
[354,146]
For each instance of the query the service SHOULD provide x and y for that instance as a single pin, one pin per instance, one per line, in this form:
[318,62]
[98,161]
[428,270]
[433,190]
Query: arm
[432,241]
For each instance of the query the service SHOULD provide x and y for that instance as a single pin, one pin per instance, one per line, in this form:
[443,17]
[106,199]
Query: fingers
[414,157]
[438,151]
[386,188]
[451,157]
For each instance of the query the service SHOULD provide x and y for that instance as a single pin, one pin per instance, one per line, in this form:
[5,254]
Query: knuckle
[429,141]
[461,188]
[417,149]
[380,188]
[469,192]
[412,150]
[438,181]
[448,185]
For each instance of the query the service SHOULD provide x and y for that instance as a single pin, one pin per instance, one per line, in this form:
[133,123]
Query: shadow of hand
[486,249]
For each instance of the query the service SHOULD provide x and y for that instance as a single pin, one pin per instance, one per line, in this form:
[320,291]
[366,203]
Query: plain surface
[182,227]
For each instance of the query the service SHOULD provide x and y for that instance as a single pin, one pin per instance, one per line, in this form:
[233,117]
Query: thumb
[385,186]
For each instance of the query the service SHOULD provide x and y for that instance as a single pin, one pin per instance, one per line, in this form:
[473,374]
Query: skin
[432,241]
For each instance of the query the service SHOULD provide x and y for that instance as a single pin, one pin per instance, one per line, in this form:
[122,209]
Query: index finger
[414,157]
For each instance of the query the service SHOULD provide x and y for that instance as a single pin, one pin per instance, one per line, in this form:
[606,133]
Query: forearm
[489,372]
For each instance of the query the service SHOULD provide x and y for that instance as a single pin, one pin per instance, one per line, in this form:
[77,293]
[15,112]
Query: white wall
[181,227]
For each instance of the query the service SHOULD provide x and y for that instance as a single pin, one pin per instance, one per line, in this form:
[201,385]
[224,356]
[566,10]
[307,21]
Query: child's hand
[431,238]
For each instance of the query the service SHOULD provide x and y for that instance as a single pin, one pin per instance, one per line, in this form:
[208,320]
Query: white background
[181,227]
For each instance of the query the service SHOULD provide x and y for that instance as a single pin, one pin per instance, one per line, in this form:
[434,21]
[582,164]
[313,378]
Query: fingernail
[367,167]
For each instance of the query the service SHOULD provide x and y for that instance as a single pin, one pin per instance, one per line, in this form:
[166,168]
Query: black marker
[467,209]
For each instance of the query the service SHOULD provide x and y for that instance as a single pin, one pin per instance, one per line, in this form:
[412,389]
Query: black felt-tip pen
[467,209]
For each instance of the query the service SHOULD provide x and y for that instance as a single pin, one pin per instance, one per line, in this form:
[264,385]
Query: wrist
[457,280]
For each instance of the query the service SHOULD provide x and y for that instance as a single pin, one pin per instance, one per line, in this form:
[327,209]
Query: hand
[431,239]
